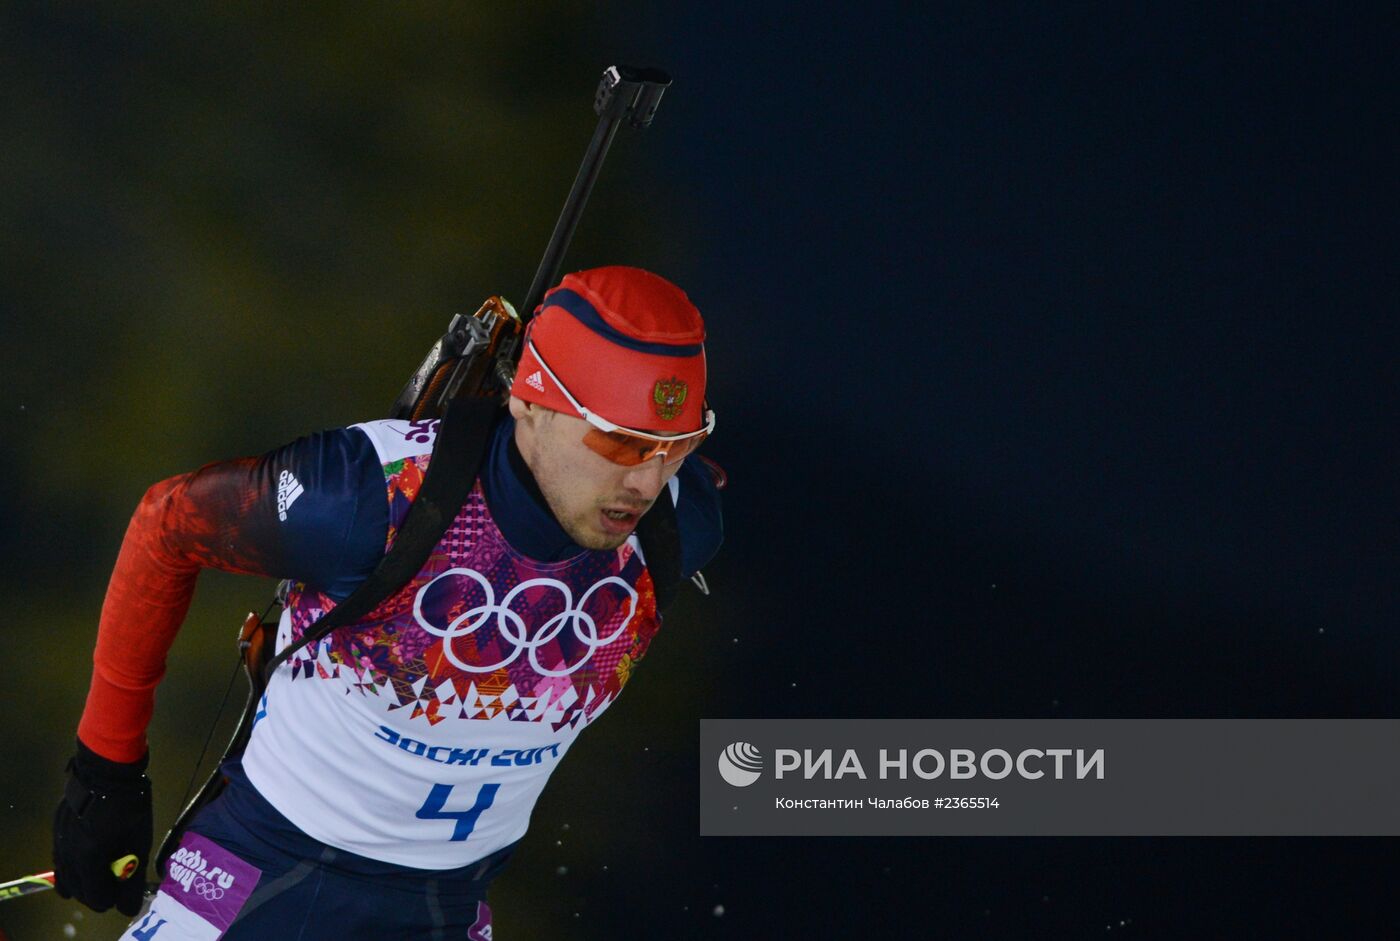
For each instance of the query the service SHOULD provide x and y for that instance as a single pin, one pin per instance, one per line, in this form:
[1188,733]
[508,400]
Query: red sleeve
[294,512]
[181,525]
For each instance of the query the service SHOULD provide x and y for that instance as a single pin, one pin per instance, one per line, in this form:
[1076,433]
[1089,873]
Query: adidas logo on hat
[535,381]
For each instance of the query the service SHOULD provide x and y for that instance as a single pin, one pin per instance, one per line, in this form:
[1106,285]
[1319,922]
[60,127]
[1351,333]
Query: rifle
[449,367]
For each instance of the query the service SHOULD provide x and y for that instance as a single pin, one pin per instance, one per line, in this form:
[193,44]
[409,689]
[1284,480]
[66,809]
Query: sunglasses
[627,446]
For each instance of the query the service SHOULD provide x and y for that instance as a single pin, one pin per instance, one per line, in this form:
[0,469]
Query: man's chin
[591,538]
[603,542]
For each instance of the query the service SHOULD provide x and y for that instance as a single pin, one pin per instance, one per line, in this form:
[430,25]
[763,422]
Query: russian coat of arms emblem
[669,397]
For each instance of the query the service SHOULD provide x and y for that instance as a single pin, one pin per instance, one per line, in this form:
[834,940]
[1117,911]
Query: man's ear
[520,410]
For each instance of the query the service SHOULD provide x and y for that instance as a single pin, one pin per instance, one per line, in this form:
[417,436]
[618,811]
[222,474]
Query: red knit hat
[627,344]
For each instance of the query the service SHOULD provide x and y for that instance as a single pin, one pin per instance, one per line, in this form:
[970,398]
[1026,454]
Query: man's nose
[646,479]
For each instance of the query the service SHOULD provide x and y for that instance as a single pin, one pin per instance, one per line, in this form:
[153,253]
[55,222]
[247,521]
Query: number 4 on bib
[466,819]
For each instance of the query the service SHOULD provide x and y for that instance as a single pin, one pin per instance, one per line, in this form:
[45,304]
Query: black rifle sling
[458,453]
[661,548]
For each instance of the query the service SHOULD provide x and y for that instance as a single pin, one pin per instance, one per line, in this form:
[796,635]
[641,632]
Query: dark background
[1053,349]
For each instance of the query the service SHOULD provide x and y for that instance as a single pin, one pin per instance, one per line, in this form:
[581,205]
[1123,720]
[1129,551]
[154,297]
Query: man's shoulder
[396,439]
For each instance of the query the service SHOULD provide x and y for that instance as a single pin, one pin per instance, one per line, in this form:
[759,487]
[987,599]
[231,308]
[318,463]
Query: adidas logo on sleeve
[288,489]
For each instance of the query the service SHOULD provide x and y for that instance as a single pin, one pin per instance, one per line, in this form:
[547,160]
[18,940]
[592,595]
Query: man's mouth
[620,519]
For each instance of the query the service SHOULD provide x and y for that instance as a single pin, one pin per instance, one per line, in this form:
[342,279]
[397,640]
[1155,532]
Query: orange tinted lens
[629,450]
[617,447]
[679,449]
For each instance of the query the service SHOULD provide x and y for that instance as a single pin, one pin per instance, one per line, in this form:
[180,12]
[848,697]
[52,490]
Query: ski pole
[41,881]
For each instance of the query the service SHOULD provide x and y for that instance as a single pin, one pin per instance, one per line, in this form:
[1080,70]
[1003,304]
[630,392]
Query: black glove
[104,816]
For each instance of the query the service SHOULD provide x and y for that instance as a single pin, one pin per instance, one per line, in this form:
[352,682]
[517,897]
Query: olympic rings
[511,626]
[207,890]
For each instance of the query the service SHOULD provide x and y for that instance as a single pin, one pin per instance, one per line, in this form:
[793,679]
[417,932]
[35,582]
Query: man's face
[596,501]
